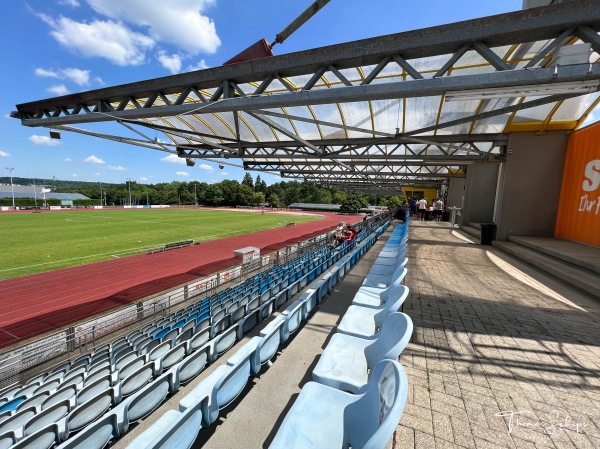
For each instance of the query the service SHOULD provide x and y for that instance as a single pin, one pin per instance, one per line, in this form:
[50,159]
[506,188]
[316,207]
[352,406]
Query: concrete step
[572,274]
[475,232]
[574,253]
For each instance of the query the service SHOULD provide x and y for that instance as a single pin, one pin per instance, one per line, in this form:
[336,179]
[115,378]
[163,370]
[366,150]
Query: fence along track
[29,359]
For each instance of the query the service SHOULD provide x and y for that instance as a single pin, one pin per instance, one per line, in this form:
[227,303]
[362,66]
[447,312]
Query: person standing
[422,208]
[438,209]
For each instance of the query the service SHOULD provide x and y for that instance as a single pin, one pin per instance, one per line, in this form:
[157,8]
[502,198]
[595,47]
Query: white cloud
[173,159]
[105,39]
[182,173]
[223,173]
[200,66]
[78,76]
[94,160]
[206,167]
[171,63]
[46,73]
[97,174]
[116,167]
[68,159]
[143,178]
[4,154]
[74,175]
[58,89]
[44,140]
[73,3]
[99,81]
[177,22]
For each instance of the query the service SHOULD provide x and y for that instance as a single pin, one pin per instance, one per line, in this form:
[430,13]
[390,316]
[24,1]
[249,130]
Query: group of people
[418,208]
[344,233]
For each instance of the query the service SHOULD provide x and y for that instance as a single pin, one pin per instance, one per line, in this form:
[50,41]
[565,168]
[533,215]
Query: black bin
[488,231]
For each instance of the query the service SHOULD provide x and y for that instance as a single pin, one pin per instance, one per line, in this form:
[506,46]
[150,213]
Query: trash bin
[488,231]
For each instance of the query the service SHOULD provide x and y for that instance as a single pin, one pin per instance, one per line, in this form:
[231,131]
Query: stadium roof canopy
[30,192]
[414,108]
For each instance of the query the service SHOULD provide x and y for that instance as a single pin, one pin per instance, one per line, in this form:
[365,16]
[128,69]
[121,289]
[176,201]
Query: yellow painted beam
[521,127]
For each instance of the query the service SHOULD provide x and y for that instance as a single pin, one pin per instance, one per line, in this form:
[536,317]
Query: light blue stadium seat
[132,366]
[34,401]
[67,393]
[310,298]
[388,269]
[136,380]
[293,315]
[97,375]
[375,297]
[219,389]
[28,390]
[7,440]
[36,379]
[198,340]
[366,322]
[248,322]
[385,258]
[381,282]
[125,359]
[172,430]
[270,338]
[173,356]
[222,343]
[94,389]
[346,360]
[324,418]
[87,412]
[43,438]
[142,403]
[47,417]
[279,299]
[189,367]
[17,420]
[95,436]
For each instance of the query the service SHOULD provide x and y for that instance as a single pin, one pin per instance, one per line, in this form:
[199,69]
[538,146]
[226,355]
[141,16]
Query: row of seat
[359,389]
[76,393]
[200,408]
[121,383]
[177,323]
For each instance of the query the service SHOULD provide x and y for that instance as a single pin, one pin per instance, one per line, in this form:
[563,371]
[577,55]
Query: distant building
[66,199]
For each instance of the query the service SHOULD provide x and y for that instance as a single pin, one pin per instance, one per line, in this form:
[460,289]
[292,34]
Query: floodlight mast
[12,189]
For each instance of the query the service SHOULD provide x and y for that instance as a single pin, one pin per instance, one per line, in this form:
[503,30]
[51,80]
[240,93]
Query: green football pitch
[38,242]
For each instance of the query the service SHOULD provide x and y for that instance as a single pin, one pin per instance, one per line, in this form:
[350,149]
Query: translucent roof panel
[421,112]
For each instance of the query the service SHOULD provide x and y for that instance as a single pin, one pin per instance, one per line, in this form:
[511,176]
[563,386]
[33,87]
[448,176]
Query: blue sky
[55,47]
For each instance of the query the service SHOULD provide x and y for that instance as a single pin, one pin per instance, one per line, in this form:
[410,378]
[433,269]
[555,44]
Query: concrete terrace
[492,336]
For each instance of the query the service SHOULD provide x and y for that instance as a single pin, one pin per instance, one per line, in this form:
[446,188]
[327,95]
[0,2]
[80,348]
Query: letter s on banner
[592,176]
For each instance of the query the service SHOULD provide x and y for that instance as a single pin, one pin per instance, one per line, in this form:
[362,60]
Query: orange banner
[578,216]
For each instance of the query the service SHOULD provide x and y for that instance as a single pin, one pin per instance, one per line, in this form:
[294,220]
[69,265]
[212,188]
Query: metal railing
[27,360]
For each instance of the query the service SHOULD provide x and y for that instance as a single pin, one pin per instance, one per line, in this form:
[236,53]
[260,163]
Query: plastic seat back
[90,410]
[371,421]
[392,339]
[47,417]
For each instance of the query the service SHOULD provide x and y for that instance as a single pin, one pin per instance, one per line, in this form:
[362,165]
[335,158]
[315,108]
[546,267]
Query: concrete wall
[456,192]
[530,185]
[480,192]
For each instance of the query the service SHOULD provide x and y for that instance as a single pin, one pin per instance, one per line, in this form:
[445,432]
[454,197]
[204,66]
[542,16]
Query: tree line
[250,192]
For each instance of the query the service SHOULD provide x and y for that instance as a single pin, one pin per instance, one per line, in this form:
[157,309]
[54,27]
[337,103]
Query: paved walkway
[494,337]
[491,335]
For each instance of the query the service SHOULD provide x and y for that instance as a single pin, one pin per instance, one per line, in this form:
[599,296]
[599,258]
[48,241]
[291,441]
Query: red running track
[36,304]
